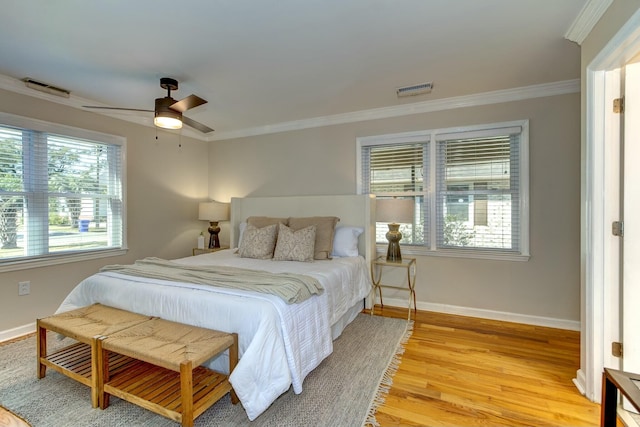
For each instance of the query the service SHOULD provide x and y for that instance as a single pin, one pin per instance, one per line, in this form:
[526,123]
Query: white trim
[17,332]
[593,274]
[622,48]
[618,51]
[579,381]
[548,322]
[57,128]
[586,20]
[484,129]
[25,264]
[473,100]
[457,253]
[611,251]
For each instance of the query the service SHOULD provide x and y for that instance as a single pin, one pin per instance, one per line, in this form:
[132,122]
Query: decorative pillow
[325,226]
[345,241]
[258,242]
[295,245]
[263,221]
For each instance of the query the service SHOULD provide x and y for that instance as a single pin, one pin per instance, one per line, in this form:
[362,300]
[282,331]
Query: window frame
[54,258]
[431,137]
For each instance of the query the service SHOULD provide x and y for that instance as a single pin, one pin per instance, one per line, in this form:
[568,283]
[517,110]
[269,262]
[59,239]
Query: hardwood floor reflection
[464,371]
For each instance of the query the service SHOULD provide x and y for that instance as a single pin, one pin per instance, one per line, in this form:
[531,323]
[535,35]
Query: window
[469,187]
[61,192]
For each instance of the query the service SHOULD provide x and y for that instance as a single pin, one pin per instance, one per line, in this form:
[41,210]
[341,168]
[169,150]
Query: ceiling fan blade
[115,108]
[190,101]
[196,125]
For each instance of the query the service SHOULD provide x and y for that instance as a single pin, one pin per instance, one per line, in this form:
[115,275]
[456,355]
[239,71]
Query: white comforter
[279,344]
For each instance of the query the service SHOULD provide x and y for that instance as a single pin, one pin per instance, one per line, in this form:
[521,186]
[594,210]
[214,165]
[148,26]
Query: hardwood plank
[465,371]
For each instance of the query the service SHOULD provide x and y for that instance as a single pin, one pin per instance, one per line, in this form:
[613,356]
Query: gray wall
[164,185]
[166,182]
[322,161]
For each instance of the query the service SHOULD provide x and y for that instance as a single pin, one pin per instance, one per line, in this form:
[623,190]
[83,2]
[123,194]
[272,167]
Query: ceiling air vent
[413,90]
[46,88]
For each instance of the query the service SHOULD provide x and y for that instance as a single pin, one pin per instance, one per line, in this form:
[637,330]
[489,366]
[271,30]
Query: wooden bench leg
[186,389]
[100,372]
[41,343]
[96,371]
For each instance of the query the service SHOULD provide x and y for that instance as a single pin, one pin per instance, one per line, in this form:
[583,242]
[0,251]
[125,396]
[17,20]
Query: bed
[279,342]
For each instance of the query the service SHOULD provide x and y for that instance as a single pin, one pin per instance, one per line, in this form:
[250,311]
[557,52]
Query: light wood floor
[463,371]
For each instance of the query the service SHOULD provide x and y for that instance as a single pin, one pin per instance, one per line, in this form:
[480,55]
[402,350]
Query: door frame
[596,229]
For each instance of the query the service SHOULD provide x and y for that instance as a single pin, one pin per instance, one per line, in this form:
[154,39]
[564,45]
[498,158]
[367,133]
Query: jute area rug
[343,391]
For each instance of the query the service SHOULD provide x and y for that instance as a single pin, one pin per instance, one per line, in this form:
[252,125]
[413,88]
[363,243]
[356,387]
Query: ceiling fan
[168,111]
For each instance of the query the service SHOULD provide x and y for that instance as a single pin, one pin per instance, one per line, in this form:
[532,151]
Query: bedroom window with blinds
[61,192]
[469,187]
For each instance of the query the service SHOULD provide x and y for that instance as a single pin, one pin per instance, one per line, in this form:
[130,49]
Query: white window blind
[478,192]
[59,194]
[469,186]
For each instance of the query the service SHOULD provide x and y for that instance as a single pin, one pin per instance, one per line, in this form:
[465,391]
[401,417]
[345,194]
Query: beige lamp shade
[213,211]
[399,211]
[394,212]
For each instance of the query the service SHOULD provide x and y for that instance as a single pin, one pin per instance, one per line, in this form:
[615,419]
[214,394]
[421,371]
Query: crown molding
[474,100]
[586,20]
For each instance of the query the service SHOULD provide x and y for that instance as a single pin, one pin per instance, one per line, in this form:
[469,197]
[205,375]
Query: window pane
[399,170]
[396,169]
[476,208]
[412,234]
[466,183]
[11,186]
[69,231]
[57,194]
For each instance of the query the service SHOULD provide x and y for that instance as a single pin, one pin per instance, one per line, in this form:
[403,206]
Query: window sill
[59,259]
[452,253]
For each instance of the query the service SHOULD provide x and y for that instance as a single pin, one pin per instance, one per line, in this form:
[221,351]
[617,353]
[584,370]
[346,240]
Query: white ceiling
[260,63]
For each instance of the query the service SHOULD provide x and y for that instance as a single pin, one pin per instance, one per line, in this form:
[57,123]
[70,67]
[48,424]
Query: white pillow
[241,228]
[345,241]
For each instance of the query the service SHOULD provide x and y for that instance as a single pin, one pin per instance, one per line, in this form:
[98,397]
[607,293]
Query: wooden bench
[167,377]
[75,360]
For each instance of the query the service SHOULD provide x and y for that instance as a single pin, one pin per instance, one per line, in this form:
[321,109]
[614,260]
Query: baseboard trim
[526,319]
[549,322]
[17,332]
[579,381]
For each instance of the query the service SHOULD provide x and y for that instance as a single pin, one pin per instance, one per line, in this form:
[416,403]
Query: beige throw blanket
[292,288]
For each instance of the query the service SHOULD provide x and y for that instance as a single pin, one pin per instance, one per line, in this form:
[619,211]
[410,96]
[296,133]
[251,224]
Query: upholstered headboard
[358,210]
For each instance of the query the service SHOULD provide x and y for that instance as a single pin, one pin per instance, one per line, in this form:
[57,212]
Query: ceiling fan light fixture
[167,121]
[165,117]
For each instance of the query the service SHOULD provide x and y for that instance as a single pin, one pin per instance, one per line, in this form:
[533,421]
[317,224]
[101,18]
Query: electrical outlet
[24,288]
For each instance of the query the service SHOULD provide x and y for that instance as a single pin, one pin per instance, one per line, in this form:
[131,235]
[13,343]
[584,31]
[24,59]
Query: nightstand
[380,264]
[198,251]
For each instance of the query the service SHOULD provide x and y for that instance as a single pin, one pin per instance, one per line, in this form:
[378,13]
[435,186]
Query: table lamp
[395,212]
[213,212]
